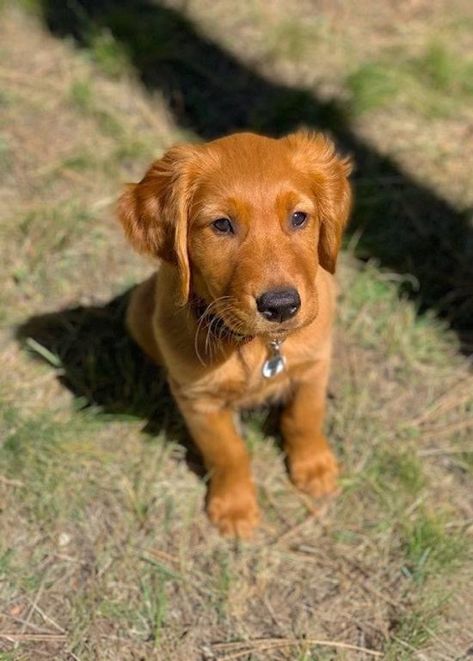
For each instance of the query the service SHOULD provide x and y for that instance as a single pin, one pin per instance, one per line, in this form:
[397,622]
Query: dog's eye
[299,218]
[223,226]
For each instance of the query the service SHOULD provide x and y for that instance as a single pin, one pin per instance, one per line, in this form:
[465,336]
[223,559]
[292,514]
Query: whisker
[220,321]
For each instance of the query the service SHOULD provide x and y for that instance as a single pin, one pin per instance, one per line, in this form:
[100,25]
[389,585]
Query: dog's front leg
[231,498]
[312,465]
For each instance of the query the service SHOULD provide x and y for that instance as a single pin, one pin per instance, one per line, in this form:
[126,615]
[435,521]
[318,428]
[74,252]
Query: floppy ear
[314,154]
[154,212]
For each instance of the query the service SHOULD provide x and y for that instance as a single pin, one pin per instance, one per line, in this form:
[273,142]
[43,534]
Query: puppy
[247,229]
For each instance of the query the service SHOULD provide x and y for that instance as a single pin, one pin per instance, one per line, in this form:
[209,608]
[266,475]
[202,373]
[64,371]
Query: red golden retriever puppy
[247,229]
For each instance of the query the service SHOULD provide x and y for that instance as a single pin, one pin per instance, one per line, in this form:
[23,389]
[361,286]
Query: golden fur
[197,316]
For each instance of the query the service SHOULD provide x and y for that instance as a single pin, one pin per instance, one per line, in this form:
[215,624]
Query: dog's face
[247,220]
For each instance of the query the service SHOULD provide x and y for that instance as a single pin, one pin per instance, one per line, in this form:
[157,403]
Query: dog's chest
[240,381]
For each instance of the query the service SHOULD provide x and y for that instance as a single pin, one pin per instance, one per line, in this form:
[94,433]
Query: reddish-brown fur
[258,183]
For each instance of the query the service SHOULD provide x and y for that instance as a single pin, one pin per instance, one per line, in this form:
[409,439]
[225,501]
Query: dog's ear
[314,154]
[154,213]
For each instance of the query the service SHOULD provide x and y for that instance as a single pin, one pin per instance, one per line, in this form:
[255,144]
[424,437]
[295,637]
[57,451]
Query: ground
[105,550]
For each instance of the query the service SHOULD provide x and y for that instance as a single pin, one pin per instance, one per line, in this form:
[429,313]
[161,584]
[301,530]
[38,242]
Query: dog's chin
[280,331]
[266,332]
[244,328]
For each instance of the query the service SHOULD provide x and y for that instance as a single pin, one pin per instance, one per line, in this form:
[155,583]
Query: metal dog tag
[275,362]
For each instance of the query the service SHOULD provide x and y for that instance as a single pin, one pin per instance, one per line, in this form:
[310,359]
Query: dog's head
[247,220]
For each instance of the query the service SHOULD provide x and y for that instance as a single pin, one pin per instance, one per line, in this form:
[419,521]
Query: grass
[441,70]
[291,39]
[371,86]
[429,547]
[425,82]
[105,547]
[108,55]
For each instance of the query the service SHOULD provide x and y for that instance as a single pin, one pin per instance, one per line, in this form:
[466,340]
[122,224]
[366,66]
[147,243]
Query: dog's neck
[214,324]
[275,362]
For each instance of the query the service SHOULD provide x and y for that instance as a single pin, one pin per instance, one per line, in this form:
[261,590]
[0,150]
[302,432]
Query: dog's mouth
[228,323]
[244,327]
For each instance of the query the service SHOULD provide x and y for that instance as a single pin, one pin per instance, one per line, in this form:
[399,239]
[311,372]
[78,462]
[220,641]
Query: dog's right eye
[223,226]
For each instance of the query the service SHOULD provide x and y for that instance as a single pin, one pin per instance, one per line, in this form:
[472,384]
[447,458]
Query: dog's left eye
[223,226]
[299,218]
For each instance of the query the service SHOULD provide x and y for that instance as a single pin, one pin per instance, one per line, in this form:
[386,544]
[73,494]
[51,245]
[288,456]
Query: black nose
[278,304]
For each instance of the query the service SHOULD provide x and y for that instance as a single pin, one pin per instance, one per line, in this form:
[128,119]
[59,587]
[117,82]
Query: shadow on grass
[102,366]
[403,225]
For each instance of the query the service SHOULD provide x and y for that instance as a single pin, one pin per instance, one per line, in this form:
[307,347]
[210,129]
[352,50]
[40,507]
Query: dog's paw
[233,509]
[315,474]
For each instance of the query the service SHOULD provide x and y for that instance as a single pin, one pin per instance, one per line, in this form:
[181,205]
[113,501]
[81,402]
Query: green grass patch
[430,547]
[443,71]
[82,95]
[5,155]
[47,456]
[433,82]
[110,55]
[397,471]
[222,582]
[411,633]
[465,459]
[371,86]
[383,490]
[154,604]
